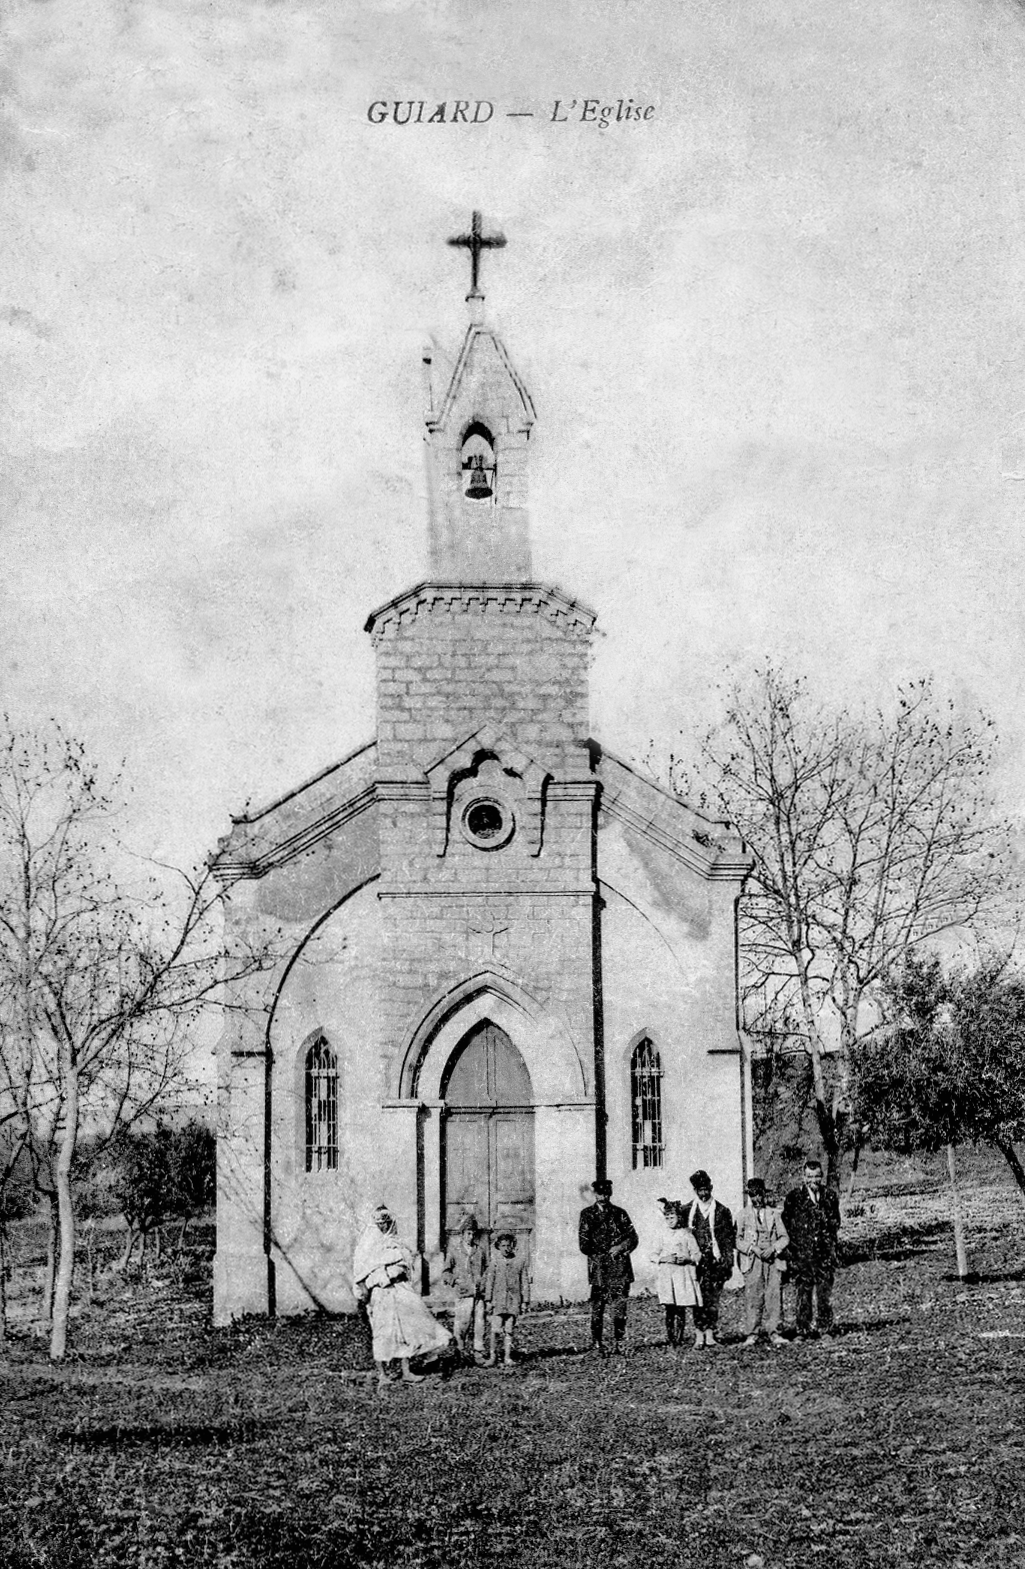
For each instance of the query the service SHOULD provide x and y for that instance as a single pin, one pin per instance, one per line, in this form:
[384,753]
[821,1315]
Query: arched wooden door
[488,1149]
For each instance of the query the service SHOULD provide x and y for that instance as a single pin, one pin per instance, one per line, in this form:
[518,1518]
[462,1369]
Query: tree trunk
[51,1262]
[835,1151]
[1010,1154]
[181,1234]
[90,1260]
[859,1145]
[66,1209]
[126,1257]
[825,1118]
[3,1274]
[955,1205]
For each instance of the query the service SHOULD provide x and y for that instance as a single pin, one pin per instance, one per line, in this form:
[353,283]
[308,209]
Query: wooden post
[955,1204]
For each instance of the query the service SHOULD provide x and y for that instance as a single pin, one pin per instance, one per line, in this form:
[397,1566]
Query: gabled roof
[277,833]
[481,340]
[708,846]
[271,835]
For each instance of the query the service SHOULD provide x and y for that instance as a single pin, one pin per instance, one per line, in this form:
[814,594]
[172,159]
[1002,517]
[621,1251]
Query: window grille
[646,1105]
[321,1107]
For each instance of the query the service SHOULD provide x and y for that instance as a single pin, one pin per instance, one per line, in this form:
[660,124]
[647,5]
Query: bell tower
[476,438]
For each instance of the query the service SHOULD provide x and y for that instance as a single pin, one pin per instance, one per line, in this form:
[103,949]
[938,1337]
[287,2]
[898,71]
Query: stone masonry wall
[470,658]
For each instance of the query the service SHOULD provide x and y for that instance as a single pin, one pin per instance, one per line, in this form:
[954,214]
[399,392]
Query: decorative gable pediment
[486,745]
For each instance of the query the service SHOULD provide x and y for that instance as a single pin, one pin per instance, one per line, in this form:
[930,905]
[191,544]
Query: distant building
[513,960]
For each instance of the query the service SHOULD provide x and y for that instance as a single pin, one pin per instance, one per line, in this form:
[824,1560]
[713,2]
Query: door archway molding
[554,1064]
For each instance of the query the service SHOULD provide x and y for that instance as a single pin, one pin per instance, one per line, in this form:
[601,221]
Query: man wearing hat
[715,1234]
[607,1238]
[761,1239]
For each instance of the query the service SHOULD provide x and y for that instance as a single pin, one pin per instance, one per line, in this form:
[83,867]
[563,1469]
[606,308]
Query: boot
[493,1358]
[508,1351]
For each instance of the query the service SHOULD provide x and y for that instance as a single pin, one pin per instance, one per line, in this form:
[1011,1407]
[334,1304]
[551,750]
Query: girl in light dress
[677,1256]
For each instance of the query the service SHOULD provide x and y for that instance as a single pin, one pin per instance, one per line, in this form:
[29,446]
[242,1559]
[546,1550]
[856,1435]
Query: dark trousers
[616,1306]
[711,1280]
[676,1323]
[814,1280]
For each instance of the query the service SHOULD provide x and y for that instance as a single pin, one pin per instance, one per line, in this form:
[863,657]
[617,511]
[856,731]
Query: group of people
[699,1250]
[701,1247]
[403,1326]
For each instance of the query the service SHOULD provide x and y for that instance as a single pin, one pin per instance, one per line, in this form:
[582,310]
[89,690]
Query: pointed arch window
[321,1107]
[646,1105]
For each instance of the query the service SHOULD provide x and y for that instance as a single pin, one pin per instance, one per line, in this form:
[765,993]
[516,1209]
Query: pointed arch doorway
[487,1165]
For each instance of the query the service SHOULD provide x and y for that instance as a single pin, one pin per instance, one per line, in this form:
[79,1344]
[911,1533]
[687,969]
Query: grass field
[900,1442]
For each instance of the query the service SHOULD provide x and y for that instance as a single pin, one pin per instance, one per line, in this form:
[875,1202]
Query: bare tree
[870,835]
[101,980]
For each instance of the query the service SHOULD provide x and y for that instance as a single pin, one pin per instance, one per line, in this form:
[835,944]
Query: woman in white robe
[402,1324]
[677,1257]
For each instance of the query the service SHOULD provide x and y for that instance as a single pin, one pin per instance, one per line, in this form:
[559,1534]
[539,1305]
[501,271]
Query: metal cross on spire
[475,242]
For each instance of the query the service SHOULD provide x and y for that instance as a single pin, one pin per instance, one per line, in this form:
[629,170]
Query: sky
[773,334]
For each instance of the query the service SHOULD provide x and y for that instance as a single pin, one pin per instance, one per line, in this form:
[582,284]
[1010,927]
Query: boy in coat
[761,1239]
[715,1234]
[507,1290]
[463,1272]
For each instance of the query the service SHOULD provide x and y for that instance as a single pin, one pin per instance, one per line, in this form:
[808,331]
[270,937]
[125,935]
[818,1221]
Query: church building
[511,960]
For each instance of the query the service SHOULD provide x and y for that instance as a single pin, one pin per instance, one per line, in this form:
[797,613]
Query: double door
[488,1148]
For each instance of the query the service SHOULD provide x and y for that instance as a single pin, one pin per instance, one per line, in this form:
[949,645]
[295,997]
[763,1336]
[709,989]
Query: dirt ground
[898,1442]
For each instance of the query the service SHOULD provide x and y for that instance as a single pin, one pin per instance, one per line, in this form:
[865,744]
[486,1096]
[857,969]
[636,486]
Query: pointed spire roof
[481,342]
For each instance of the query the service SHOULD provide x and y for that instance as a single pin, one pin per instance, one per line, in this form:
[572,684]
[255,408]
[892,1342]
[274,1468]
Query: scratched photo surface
[761,276]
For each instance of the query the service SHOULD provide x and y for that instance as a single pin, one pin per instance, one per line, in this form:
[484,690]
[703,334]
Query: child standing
[761,1242]
[677,1257]
[464,1271]
[506,1290]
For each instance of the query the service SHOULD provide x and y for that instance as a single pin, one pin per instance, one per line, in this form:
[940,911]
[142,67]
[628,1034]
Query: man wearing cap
[761,1239]
[715,1234]
[811,1215]
[607,1238]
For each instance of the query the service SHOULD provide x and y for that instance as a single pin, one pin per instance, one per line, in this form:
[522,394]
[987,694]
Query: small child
[677,1256]
[506,1289]
[464,1270]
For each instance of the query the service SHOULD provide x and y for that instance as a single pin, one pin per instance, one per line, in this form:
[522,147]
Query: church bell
[480,486]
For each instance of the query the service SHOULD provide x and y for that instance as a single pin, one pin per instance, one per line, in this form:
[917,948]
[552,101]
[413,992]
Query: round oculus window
[488,823]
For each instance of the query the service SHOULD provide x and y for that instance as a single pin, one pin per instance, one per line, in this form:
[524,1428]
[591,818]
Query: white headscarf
[376,1248]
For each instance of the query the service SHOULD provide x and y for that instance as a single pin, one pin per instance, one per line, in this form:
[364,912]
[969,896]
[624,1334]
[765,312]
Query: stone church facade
[511,958]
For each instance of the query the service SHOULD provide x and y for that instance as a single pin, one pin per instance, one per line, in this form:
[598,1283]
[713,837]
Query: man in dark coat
[607,1237]
[716,1236]
[811,1216]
